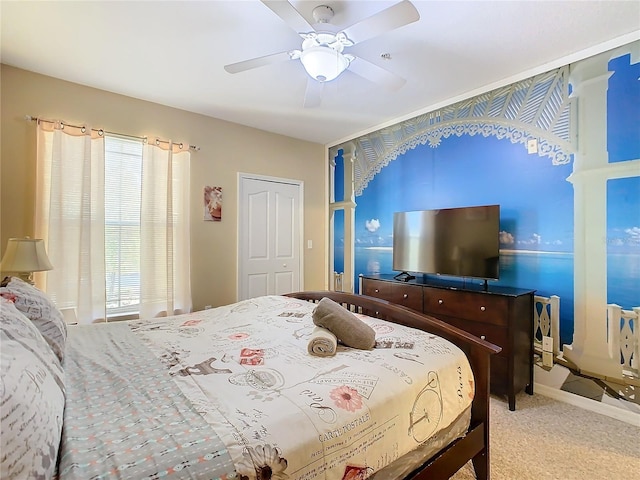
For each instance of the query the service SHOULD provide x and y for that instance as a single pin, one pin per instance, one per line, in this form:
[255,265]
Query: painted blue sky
[535,198]
[623,215]
[623,144]
[474,171]
[536,202]
[623,110]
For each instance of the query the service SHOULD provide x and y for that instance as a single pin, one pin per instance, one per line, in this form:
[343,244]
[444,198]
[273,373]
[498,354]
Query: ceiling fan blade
[313,93]
[257,62]
[376,74]
[388,19]
[289,14]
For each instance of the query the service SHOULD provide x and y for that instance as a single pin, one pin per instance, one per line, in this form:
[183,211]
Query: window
[123,181]
[114,211]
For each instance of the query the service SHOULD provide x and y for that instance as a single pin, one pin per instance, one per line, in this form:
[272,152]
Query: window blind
[123,182]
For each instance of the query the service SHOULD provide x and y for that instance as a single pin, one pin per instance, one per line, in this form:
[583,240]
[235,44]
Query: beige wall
[226,149]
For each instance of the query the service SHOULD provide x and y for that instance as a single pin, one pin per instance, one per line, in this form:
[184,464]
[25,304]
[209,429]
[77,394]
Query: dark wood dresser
[500,315]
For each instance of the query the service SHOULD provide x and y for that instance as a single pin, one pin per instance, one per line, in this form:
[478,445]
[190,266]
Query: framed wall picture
[212,204]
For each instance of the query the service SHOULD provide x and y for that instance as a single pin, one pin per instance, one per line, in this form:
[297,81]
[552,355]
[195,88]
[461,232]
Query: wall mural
[623,242]
[623,194]
[537,206]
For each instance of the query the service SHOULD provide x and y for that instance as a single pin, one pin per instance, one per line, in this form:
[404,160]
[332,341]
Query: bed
[233,392]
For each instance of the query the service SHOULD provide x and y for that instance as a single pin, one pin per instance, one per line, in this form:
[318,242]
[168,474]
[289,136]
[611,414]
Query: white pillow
[32,398]
[40,309]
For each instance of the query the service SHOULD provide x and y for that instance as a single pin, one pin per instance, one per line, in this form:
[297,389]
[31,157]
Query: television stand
[404,277]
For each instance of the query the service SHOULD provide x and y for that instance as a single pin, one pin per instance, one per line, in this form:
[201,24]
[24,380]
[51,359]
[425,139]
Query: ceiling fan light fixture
[323,63]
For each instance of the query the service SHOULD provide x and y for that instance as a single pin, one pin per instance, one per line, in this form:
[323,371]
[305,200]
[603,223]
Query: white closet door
[270,233]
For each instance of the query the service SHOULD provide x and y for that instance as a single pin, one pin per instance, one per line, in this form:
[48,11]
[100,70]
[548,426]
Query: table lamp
[24,256]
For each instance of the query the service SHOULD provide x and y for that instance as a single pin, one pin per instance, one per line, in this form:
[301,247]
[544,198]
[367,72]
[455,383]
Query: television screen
[460,242]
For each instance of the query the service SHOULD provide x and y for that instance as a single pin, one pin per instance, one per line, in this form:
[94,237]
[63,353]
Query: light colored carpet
[548,439]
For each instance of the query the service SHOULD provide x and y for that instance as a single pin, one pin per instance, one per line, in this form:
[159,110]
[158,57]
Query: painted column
[347,204]
[590,349]
[349,153]
[332,198]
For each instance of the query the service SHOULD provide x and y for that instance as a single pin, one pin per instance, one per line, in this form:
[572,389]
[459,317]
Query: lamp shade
[323,63]
[25,255]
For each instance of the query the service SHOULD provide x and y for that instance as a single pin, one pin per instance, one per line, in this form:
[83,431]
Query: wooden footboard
[475,444]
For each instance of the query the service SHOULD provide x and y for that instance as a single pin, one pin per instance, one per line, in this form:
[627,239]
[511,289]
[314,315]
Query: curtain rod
[102,132]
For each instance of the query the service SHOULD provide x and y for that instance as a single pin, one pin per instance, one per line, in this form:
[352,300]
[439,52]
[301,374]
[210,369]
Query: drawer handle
[482,308]
[405,296]
[440,301]
[377,291]
[483,337]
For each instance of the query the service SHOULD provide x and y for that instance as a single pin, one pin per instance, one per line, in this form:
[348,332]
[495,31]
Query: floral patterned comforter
[271,409]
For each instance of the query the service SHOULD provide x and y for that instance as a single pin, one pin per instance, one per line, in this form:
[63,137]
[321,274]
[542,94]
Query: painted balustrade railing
[624,337]
[546,322]
[337,281]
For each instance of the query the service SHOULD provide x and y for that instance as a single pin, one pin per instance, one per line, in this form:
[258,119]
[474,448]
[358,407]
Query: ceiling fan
[322,52]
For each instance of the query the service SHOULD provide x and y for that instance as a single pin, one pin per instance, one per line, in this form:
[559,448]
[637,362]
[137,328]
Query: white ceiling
[173,53]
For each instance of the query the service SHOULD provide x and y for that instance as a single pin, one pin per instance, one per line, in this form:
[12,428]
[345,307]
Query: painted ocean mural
[623,242]
[536,247]
[537,209]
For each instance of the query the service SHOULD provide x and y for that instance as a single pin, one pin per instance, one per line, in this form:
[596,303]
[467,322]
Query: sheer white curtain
[70,218]
[165,287]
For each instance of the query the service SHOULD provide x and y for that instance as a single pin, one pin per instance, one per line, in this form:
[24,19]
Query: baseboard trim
[588,404]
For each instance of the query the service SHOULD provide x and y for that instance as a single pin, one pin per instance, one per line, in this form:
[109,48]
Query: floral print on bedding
[283,413]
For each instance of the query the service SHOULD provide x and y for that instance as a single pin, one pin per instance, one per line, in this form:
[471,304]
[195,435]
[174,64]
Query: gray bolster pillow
[349,329]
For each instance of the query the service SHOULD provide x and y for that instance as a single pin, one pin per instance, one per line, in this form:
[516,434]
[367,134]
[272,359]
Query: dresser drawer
[378,289]
[479,307]
[409,296]
[491,333]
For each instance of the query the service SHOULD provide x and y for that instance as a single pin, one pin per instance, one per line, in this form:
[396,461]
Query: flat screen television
[462,242]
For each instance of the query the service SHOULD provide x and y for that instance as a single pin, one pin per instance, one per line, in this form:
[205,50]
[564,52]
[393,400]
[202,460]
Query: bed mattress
[233,392]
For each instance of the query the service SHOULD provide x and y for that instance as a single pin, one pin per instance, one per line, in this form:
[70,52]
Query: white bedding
[284,413]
